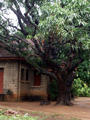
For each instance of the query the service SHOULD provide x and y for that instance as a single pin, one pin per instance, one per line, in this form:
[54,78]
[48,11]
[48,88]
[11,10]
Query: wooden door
[37,79]
[1,80]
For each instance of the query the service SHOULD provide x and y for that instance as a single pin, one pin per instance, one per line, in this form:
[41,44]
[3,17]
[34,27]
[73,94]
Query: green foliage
[80,88]
[53,90]
[65,21]
[70,22]
[63,24]
[84,72]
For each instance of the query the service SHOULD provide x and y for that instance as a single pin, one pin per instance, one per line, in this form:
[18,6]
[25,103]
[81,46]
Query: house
[17,79]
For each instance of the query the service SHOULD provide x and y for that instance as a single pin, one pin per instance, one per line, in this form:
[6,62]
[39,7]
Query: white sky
[12,17]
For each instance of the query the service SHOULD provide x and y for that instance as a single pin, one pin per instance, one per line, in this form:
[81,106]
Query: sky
[10,15]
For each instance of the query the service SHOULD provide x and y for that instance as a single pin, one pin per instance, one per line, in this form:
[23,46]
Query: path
[80,109]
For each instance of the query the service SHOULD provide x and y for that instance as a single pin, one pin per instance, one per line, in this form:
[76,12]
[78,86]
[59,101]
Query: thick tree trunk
[64,83]
[64,90]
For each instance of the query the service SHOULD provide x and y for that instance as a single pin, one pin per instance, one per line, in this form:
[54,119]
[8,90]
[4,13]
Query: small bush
[84,72]
[80,88]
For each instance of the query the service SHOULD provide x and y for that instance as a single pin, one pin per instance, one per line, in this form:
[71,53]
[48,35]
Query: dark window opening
[22,74]
[27,75]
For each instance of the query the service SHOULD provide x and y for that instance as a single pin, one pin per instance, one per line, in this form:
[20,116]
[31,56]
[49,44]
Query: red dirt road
[80,109]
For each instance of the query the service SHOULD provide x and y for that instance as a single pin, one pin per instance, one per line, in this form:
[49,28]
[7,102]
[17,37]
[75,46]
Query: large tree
[52,35]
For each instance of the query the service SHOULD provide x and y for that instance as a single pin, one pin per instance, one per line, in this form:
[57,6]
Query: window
[27,75]
[22,74]
[37,79]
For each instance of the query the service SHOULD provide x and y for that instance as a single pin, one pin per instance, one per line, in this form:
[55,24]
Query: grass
[31,116]
[18,117]
[75,119]
[4,117]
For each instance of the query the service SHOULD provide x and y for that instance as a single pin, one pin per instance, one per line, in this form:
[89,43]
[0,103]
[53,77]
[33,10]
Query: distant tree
[52,35]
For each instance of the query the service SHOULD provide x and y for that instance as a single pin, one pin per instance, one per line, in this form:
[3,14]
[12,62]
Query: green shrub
[84,72]
[80,88]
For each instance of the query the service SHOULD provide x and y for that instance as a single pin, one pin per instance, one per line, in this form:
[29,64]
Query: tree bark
[64,89]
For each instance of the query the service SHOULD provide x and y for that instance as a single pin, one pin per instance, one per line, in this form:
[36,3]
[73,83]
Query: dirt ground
[80,109]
